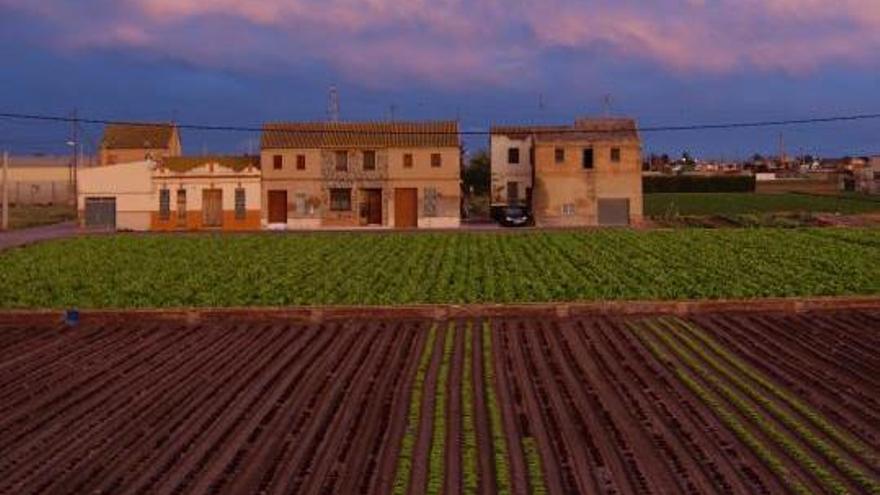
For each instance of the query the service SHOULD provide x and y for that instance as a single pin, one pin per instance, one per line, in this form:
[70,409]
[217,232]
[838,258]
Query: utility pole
[5,221]
[781,151]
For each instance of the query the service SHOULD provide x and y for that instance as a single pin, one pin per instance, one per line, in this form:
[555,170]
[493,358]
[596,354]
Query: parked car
[515,216]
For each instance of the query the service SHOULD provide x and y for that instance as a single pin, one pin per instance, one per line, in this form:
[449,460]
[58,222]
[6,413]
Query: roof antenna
[392,110]
[541,102]
[333,104]
[606,101]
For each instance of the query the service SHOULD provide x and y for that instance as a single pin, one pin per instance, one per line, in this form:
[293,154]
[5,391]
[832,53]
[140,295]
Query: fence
[41,192]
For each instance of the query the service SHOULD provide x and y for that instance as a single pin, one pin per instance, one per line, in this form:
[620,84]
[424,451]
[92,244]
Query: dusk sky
[233,62]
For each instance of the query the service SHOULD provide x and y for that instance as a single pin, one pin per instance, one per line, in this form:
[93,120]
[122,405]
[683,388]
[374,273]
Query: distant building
[40,179]
[124,143]
[585,174]
[352,174]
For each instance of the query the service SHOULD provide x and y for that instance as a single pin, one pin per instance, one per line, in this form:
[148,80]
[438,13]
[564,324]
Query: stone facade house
[353,174]
[123,143]
[585,174]
[207,192]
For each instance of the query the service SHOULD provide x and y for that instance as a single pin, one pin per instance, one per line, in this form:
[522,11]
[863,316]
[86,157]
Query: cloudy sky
[665,62]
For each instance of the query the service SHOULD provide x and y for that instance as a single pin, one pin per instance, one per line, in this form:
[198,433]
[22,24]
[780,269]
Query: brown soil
[248,405]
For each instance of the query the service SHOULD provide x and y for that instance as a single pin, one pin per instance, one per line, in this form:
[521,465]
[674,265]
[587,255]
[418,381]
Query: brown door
[374,206]
[406,208]
[212,207]
[277,206]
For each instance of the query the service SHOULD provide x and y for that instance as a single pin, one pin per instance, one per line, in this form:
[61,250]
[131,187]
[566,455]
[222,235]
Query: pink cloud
[467,41]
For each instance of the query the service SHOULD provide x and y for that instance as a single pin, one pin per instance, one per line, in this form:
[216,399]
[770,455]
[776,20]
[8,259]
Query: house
[512,166]
[585,174]
[207,192]
[119,196]
[138,142]
[353,174]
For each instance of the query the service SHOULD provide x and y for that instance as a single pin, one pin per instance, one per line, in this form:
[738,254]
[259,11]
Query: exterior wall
[504,172]
[561,186]
[139,154]
[129,183]
[308,191]
[197,180]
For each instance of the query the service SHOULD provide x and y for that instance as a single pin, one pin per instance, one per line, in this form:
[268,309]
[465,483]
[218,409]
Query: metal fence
[41,193]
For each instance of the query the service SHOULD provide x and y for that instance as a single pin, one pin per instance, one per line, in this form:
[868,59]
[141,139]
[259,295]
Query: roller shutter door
[101,212]
[613,212]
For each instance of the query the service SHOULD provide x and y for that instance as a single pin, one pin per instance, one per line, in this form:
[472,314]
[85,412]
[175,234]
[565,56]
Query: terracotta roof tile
[187,163]
[584,129]
[138,136]
[360,135]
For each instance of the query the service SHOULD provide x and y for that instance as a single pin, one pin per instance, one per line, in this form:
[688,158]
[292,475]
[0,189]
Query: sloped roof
[138,136]
[360,134]
[187,163]
[584,129]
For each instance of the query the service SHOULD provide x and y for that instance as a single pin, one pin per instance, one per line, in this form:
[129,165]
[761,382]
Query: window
[341,161]
[300,162]
[407,160]
[340,199]
[436,160]
[164,204]
[369,160]
[429,208]
[181,204]
[568,209]
[560,155]
[277,162]
[513,156]
[240,204]
[615,155]
[588,158]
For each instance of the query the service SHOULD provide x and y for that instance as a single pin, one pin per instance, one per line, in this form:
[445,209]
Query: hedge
[697,183]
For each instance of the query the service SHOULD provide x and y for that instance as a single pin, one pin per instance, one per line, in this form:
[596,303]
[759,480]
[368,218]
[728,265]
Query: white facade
[129,184]
[505,173]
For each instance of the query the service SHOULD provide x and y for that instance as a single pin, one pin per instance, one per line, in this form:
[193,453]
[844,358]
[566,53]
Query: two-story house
[584,174]
[125,143]
[350,174]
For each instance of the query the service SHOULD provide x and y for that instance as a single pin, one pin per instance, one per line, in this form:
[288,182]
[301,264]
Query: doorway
[372,206]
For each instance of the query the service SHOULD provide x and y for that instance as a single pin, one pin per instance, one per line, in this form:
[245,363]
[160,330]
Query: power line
[475,132]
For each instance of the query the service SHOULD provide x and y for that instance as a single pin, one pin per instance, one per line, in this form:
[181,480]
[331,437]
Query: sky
[483,62]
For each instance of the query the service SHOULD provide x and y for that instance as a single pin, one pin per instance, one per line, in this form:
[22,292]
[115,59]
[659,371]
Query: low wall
[548,310]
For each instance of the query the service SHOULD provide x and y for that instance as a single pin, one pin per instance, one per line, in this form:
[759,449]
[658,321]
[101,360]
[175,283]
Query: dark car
[515,216]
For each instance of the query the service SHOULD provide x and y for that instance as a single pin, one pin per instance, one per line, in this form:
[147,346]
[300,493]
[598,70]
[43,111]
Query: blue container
[71,317]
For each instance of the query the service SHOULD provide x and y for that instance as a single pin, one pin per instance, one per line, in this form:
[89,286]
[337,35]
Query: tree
[477,174]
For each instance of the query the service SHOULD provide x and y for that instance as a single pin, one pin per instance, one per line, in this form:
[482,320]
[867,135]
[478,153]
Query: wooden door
[406,208]
[212,207]
[278,206]
[374,206]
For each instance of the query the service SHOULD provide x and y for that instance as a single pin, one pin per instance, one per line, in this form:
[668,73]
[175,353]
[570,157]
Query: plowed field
[716,403]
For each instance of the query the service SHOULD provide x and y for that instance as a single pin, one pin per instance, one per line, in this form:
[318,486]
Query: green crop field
[702,204]
[374,269]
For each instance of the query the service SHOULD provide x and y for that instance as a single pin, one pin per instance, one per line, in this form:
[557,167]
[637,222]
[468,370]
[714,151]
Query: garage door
[406,208]
[101,212]
[613,212]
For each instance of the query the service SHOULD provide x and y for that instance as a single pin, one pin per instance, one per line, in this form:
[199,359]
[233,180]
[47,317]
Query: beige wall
[308,196]
[129,183]
[504,172]
[566,194]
